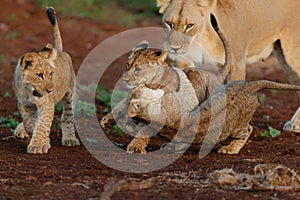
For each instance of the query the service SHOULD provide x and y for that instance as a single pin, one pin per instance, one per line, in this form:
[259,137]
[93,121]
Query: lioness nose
[49,91]
[176,48]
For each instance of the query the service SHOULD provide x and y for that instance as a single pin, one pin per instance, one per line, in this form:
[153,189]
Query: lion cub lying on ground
[237,101]
[40,80]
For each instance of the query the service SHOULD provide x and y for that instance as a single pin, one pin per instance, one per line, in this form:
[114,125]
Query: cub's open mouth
[36,94]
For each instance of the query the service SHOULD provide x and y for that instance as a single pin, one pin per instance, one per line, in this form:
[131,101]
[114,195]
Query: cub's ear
[163,5]
[27,61]
[48,52]
[206,3]
[142,45]
[163,56]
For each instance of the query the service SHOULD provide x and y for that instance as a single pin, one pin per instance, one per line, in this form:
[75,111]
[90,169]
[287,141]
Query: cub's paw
[107,122]
[138,145]
[20,131]
[71,141]
[233,148]
[40,147]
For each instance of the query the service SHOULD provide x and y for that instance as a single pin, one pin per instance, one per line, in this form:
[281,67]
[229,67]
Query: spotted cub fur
[41,79]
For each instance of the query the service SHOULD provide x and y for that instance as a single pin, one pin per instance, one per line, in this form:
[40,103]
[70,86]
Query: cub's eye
[41,76]
[137,69]
[189,26]
[170,25]
[51,73]
[127,65]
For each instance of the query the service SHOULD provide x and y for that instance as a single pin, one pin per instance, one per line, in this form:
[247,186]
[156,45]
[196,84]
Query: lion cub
[41,79]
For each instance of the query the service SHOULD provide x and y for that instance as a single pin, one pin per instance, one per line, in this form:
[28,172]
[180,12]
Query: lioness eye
[189,26]
[169,24]
[51,73]
[40,76]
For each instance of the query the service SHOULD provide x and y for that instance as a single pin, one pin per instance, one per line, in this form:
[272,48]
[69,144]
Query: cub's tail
[56,32]
[263,84]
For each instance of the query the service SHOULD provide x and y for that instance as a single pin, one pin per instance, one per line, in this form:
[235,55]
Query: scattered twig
[124,185]
[8,137]
[275,188]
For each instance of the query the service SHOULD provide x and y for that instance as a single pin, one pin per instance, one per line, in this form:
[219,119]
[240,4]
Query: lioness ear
[26,61]
[163,5]
[163,56]
[206,3]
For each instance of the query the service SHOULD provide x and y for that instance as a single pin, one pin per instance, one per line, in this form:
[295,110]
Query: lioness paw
[20,131]
[38,148]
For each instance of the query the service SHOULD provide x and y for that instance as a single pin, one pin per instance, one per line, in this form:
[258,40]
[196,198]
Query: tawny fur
[41,79]
[250,28]
[147,67]
[236,102]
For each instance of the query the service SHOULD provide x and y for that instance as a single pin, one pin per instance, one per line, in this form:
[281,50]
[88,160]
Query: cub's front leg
[40,141]
[142,139]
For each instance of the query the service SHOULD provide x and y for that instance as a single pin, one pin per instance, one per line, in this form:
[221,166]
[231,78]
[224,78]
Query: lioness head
[145,102]
[184,21]
[144,65]
[37,71]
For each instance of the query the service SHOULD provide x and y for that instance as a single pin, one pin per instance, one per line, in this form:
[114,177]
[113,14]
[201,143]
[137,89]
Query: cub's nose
[175,48]
[48,90]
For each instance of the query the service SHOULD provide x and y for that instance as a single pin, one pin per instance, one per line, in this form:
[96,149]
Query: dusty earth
[69,173]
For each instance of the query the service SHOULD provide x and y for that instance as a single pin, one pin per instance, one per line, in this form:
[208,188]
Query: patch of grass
[125,12]
[12,17]
[117,130]
[2,58]
[110,97]
[271,132]
[262,98]
[85,109]
[58,108]
[12,35]
[7,95]
[267,117]
[8,122]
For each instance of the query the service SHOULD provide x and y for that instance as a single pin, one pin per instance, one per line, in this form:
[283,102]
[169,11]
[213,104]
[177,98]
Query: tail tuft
[51,15]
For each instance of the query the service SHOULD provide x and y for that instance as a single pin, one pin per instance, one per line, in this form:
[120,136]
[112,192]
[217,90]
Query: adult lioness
[251,27]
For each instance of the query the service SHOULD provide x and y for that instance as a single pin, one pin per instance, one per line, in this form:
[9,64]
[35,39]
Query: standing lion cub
[41,79]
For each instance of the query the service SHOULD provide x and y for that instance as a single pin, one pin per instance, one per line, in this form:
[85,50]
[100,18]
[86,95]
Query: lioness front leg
[287,52]
[40,141]
[236,145]
[67,119]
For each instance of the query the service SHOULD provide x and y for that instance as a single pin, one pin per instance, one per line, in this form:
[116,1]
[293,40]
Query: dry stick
[124,185]
[8,137]
[276,188]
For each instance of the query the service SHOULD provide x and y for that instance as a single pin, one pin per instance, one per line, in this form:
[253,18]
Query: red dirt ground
[69,173]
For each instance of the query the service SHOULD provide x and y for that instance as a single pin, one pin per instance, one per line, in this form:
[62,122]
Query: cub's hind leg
[236,145]
[29,117]
[287,52]
[67,119]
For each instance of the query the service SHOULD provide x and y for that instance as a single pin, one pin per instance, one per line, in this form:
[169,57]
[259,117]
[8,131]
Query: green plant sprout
[271,132]
[8,122]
